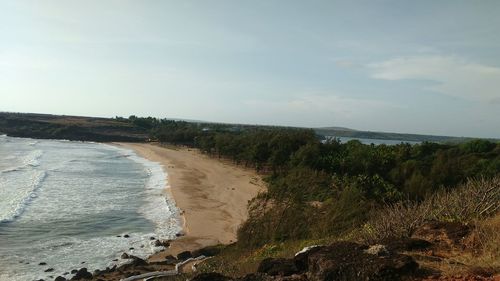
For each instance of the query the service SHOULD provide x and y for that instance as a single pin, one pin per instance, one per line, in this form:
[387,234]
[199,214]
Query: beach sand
[212,194]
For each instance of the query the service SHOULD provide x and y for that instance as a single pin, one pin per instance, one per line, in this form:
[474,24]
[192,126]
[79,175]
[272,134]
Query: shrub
[396,220]
[473,200]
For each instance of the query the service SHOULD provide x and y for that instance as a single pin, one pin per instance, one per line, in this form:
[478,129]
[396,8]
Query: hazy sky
[428,67]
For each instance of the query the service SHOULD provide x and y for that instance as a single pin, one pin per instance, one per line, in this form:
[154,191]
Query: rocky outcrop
[282,267]
[339,261]
[351,261]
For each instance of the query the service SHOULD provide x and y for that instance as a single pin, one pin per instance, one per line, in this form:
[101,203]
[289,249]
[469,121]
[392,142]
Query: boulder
[406,244]
[124,256]
[49,270]
[301,258]
[256,277]
[281,267]
[60,278]
[136,261]
[82,274]
[212,276]
[184,255]
[377,250]
[209,251]
[349,261]
[170,260]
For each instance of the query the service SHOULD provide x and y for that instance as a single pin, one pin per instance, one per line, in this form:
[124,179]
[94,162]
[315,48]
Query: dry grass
[473,201]
[397,220]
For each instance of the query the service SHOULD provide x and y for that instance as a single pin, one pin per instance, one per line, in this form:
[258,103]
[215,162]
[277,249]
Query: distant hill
[346,132]
[46,126]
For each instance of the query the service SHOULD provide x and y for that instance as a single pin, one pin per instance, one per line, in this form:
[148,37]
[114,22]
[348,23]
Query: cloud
[453,76]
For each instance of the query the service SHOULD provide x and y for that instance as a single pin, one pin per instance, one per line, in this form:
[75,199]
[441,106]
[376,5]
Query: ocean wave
[30,160]
[160,208]
[29,196]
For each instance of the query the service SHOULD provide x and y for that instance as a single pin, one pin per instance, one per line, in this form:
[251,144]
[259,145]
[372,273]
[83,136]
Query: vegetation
[44,126]
[320,189]
[329,190]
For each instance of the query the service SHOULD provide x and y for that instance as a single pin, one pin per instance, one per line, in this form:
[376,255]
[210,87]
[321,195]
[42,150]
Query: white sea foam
[160,207]
[32,159]
[82,191]
[24,198]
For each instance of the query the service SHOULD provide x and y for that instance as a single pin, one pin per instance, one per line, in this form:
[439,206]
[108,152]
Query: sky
[427,67]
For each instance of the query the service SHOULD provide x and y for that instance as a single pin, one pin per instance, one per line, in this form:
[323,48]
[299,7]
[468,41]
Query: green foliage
[343,214]
[318,189]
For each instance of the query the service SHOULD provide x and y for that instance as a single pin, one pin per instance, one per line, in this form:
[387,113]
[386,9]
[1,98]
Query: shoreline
[211,195]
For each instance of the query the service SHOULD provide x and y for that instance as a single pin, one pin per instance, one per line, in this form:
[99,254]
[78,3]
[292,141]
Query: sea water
[70,204]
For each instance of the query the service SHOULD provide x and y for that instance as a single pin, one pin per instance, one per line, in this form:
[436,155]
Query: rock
[158,243]
[108,270]
[377,250]
[82,274]
[124,256]
[131,248]
[349,261]
[60,278]
[171,260]
[179,234]
[294,277]
[42,263]
[301,258]
[256,277]
[74,271]
[126,236]
[444,234]
[209,251]
[406,244]
[212,276]
[48,270]
[152,238]
[184,255]
[281,267]
[136,261]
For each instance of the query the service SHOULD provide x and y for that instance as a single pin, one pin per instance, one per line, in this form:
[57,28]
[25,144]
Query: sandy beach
[211,194]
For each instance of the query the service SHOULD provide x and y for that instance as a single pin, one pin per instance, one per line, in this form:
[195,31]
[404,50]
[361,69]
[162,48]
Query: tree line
[321,188]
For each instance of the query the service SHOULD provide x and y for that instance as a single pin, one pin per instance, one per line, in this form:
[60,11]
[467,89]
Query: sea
[65,205]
